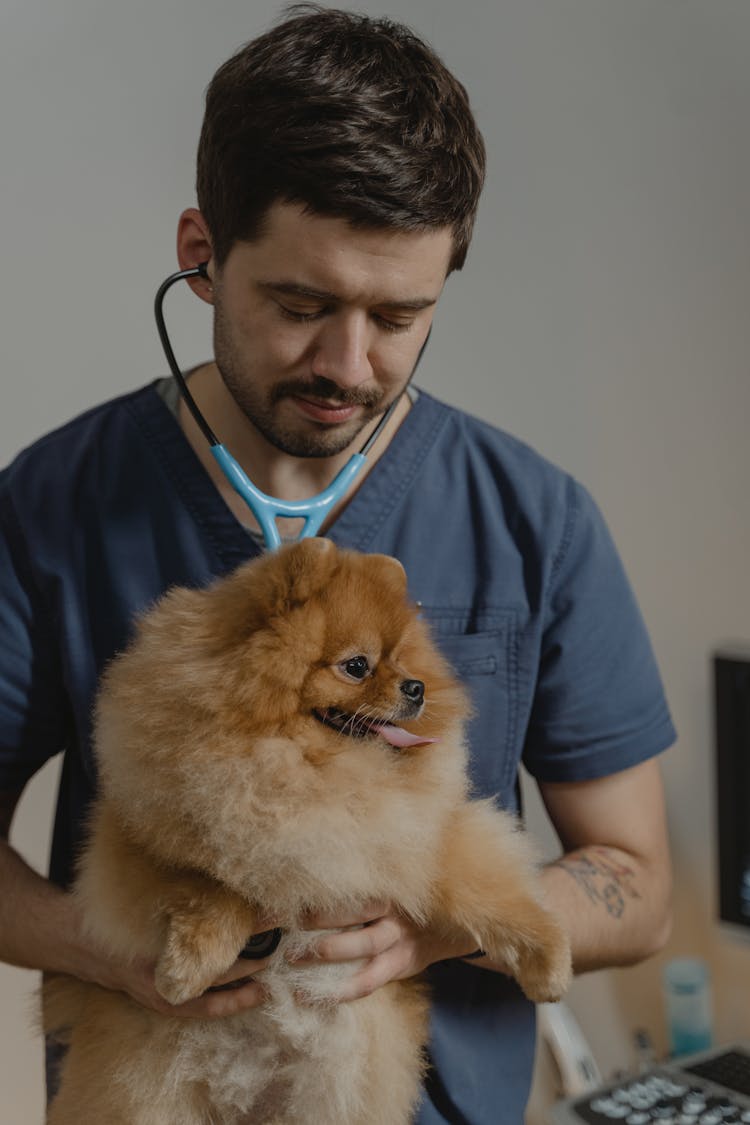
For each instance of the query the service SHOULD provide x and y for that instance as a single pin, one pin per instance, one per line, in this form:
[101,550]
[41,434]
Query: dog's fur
[224,799]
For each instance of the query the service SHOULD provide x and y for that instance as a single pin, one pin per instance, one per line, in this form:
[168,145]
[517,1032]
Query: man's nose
[342,350]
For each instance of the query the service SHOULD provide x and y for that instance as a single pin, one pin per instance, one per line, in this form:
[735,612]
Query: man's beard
[325,441]
[259,409]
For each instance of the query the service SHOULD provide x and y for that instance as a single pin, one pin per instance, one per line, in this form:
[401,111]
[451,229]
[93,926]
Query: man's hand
[137,981]
[41,928]
[392,947]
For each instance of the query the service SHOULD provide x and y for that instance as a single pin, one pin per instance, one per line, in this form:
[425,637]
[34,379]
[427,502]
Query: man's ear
[194,247]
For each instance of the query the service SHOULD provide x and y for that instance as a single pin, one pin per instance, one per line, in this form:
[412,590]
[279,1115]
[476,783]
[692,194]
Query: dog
[284,741]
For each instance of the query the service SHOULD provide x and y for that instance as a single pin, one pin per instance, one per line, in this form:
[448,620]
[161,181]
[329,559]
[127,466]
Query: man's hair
[354,118]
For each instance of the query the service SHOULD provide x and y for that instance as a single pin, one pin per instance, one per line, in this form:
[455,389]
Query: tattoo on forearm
[604,879]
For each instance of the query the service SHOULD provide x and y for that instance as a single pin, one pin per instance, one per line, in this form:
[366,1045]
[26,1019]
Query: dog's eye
[357,667]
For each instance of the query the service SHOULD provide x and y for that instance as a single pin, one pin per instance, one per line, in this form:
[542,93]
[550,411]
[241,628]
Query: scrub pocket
[486,661]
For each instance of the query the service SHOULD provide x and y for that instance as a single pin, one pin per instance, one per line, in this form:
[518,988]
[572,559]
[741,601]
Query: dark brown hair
[353,117]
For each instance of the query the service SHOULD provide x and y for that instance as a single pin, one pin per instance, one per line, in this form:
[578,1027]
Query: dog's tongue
[399,737]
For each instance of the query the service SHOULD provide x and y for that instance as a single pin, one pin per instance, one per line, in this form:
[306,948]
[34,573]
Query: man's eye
[357,667]
[393,325]
[299,315]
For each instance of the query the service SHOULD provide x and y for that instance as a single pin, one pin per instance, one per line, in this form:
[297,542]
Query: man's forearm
[615,908]
[39,926]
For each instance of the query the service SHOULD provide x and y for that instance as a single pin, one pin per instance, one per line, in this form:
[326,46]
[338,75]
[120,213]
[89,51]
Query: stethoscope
[266,509]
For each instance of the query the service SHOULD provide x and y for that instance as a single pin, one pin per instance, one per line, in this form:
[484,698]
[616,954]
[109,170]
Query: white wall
[602,316]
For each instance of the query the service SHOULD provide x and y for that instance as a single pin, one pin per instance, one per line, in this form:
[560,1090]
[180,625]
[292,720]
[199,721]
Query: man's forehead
[327,257]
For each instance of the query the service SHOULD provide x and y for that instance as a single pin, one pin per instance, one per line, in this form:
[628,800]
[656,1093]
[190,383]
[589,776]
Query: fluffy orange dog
[250,767]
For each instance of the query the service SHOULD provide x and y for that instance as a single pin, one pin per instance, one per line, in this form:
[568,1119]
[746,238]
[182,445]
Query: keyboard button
[622,1095]
[608,1107]
[642,1103]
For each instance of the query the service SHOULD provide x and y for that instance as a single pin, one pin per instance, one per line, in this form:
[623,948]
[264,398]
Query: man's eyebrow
[294,289]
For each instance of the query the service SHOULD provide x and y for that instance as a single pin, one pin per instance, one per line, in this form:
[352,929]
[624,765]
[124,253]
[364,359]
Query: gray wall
[602,316]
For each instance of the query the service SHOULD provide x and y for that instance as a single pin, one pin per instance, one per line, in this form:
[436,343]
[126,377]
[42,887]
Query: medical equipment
[709,1088]
[266,509]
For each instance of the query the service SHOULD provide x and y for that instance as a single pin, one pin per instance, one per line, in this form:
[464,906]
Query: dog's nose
[413,690]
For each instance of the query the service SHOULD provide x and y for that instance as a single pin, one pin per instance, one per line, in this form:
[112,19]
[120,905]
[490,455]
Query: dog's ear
[308,567]
[389,570]
[245,601]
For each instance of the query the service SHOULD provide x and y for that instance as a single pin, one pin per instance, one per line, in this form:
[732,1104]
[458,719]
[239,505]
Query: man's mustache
[325,390]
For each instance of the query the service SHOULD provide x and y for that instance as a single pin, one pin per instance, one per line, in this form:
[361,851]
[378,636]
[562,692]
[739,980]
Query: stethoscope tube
[266,509]
[161,292]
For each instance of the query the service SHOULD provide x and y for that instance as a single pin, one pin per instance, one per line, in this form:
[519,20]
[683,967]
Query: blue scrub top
[509,557]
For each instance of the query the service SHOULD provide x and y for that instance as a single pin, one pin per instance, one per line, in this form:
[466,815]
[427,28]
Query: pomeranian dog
[288,740]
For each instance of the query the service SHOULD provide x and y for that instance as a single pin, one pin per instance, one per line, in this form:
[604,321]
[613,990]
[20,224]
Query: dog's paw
[174,989]
[178,978]
[544,969]
[193,957]
[205,927]
[534,951]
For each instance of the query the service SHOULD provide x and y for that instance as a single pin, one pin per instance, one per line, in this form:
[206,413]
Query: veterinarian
[339,171]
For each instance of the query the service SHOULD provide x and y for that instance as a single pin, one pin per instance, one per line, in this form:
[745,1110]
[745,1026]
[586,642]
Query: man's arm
[36,917]
[611,887]
[41,928]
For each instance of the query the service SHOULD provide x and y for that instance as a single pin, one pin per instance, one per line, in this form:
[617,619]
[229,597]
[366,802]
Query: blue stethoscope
[266,509]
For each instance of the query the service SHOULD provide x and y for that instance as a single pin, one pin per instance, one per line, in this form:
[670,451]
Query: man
[339,171]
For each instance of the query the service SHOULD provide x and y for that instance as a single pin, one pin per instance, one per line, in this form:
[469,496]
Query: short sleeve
[599,705]
[32,701]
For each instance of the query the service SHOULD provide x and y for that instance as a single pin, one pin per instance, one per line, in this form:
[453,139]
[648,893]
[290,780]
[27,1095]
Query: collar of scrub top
[267,509]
